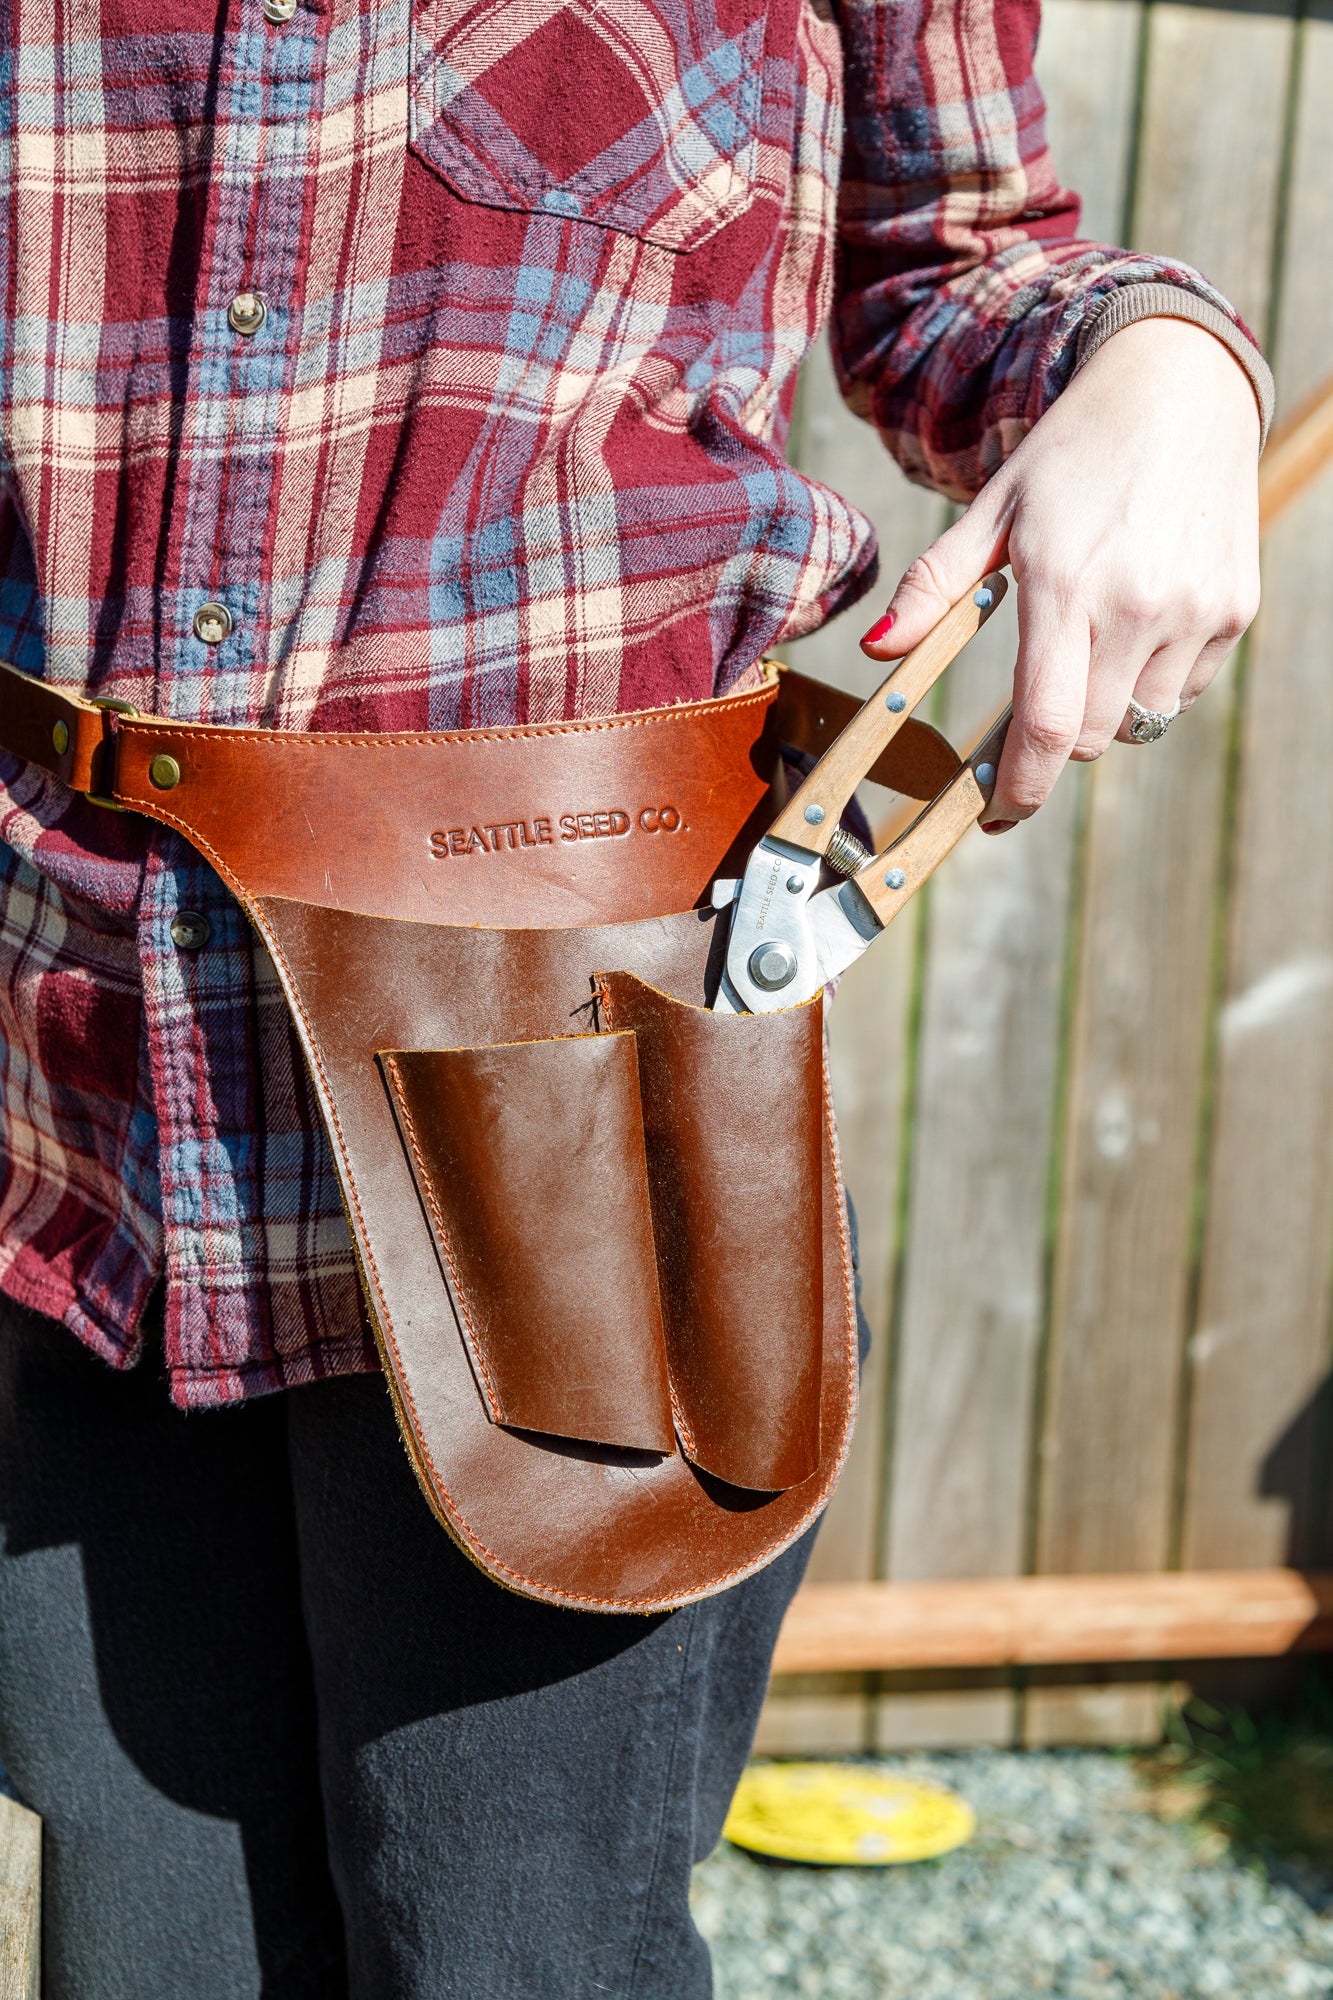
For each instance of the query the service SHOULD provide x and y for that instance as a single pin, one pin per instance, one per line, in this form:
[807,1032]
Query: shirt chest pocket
[636,115]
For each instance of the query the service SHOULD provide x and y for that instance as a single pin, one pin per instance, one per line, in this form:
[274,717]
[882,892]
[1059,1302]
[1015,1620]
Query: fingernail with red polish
[879,631]
[998,825]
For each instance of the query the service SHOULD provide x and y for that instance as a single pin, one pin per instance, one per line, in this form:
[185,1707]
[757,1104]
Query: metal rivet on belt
[60,737]
[164,771]
[190,931]
[212,624]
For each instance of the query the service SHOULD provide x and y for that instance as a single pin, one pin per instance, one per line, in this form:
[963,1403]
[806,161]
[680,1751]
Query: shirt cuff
[1164,301]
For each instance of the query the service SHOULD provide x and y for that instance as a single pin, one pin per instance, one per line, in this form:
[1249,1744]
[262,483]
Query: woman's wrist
[1131,305]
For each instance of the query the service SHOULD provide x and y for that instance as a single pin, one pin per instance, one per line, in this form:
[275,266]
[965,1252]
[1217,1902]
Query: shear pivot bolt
[895,703]
[895,879]
[772,965]
[815,815]
[985,774]
[796,883]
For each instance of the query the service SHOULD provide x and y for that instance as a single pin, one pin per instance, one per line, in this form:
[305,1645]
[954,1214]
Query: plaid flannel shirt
[450,346]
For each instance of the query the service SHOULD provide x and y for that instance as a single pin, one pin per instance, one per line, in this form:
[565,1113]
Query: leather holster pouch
[601,1228]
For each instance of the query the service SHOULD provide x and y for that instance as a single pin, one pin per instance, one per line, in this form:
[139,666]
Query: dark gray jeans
[288,1742]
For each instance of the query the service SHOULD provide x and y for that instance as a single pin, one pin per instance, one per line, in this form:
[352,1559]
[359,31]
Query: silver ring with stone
[1149,723]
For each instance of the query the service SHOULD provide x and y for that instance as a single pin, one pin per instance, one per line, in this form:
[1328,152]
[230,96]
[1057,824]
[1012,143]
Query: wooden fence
[20,1902]
[1086,1083]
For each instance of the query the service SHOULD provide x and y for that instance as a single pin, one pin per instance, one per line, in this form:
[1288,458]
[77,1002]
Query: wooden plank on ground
[1260,1347]
[971,1325]
[1141,1021]
[868,1036]
[1055,1620]
[20,1902]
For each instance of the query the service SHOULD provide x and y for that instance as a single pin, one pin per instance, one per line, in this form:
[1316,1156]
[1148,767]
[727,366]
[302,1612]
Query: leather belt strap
[566,823]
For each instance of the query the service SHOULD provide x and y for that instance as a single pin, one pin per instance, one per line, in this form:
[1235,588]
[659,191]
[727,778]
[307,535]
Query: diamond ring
[1149,723]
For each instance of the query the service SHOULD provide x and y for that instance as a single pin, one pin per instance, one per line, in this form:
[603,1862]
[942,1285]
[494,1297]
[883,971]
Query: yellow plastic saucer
[844,1815]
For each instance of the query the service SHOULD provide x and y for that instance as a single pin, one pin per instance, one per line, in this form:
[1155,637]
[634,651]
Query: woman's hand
[1129,516]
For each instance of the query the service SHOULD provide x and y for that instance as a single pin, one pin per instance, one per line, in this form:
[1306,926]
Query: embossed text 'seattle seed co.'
[499,836]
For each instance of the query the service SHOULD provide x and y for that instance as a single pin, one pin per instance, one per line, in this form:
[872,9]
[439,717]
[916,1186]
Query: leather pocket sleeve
[733,1119]
[528,1159]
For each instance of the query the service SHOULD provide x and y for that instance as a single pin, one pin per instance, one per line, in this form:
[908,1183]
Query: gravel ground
[1072,1888]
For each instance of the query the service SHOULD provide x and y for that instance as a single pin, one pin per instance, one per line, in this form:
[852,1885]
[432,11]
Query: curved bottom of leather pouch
[604,1241]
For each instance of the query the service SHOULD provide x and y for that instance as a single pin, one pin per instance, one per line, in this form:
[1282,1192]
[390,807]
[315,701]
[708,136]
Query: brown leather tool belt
[601,1229]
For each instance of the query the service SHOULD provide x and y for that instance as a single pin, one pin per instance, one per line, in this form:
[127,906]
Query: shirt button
[279,10]
[247,313]
[189,930]
[212,624]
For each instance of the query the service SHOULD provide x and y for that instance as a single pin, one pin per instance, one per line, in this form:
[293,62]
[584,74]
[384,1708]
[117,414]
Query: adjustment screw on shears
[894,879]
[814,814]
[895,703]
[772,965]
[796,883]
[983,598]
[985,774]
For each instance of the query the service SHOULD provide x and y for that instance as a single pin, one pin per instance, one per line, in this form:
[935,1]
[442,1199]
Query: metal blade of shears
[812,898]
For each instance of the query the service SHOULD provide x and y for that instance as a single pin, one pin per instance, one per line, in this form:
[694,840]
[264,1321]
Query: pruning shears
[812,897]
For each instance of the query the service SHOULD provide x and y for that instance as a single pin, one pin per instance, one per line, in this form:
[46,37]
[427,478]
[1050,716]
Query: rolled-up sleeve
[965,298]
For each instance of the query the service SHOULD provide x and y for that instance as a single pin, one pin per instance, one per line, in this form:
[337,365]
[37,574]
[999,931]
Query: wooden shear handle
[887,880]
[810,818]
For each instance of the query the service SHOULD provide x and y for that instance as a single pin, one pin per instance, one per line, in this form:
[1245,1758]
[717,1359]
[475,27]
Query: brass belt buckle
[118,708]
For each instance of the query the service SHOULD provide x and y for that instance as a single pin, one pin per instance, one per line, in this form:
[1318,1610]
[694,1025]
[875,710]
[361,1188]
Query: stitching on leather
[845,1245]
[209,852]
[680,1420]
[466,1533]
[427,1187]
[288,739]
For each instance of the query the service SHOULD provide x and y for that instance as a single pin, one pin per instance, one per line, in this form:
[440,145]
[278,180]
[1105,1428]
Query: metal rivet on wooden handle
[889,879]
[809,818]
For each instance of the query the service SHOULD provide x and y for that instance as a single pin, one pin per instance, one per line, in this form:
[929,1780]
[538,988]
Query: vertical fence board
[1086,64]
[972,1292]
[971,1323]
[868,1036]
[1145,975]
[1259,1353]
[20,1902]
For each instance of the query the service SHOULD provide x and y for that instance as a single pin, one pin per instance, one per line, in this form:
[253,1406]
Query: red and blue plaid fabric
[537,278]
